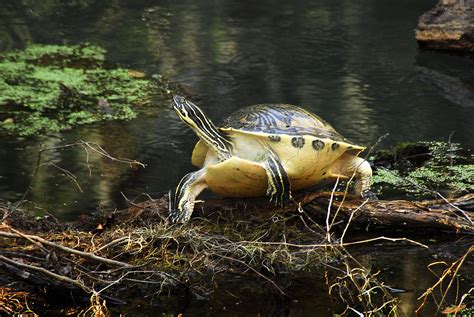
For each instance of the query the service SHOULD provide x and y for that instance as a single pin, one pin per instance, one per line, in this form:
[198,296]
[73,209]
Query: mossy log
[449,26]
[446,215]
[450,215]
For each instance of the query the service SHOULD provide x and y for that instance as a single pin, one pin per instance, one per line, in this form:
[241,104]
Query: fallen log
[445,215]
[450,215]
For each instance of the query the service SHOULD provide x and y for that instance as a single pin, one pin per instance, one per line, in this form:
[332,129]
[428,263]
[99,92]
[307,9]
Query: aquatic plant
[49,88]
[422,167]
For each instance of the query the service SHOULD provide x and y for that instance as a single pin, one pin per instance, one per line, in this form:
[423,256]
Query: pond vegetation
[423,168]
[51,88]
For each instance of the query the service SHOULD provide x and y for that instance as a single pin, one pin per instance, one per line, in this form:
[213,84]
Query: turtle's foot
[280,199]
[367,194]
[181,215]
[174,215]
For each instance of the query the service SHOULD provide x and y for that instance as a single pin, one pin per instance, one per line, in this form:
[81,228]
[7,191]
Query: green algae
[50,88]
[420,168]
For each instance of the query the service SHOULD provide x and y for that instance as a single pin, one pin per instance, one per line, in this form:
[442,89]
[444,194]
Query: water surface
[355,63]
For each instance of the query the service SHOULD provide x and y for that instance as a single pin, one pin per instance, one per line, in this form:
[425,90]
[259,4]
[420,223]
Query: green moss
[415,168]
[53,88]
[59,55]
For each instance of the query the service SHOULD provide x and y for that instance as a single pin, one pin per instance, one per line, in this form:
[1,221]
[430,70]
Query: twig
[99,150]
[60,278]
[27,191]
[253,270]
[355,311]
[328,228]
[94,147]
[87,255]
[452,270]
[454,206]
[68,174]
[350,219]
[111,243]
[24,236]
[385,238]
[325,245]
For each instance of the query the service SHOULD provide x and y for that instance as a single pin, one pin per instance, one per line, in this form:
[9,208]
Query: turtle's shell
[279,119]
[308,147]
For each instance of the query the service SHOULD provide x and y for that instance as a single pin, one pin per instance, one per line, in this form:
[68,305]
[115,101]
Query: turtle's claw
[275,201]
[174,215]
[369,195]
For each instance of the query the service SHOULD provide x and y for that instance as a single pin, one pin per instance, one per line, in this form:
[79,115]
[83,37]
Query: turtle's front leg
[190,186]
[279,187]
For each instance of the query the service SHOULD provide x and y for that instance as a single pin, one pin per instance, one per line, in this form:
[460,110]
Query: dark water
[355,63]
[308,295]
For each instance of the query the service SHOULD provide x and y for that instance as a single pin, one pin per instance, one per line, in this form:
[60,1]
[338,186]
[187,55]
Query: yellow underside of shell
[243,175]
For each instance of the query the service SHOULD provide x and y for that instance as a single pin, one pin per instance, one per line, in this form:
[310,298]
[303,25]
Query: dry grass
[13,302]
[139,253]
[448,281]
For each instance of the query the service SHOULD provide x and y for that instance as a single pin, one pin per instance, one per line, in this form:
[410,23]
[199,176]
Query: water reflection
[448,76]
[354,63]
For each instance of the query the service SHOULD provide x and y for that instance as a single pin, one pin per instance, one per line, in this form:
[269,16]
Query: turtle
[264,150]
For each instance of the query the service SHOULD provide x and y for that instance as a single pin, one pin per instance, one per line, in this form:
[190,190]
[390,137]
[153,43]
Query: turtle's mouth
[178,103]
[181,108]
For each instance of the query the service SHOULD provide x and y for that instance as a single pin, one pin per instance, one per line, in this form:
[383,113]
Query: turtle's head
[183,109]
[190,114]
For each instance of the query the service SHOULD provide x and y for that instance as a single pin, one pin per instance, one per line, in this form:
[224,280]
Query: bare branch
[57,277]
[87,255]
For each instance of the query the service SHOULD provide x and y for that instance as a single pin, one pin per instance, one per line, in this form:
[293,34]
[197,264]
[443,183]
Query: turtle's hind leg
[350,165]
[279,187]
[190,186]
